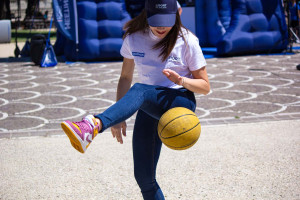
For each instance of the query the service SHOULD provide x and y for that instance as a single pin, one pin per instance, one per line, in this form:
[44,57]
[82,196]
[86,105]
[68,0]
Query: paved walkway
[244,89]
[250,161]
[248,149]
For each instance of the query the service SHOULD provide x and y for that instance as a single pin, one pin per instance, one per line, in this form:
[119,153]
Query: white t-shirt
[183,58]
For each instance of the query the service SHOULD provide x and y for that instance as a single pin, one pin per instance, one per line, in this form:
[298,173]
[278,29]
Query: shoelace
[82,125]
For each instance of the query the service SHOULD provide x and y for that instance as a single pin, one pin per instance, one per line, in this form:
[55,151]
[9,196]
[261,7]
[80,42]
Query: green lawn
[24,34]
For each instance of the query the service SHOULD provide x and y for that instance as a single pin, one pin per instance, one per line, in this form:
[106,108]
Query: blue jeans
[151,102]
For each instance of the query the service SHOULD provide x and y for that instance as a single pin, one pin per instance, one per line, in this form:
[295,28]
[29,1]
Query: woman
[171,67]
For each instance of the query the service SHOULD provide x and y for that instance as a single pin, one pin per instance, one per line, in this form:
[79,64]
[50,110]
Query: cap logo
[161,6]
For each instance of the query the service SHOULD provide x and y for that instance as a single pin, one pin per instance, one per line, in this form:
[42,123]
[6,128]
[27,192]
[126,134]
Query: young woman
[171,67]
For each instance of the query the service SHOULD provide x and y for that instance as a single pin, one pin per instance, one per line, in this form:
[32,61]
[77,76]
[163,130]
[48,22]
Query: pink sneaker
[81,133]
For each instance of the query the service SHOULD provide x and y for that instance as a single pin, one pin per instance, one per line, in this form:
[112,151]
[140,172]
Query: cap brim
[162,20]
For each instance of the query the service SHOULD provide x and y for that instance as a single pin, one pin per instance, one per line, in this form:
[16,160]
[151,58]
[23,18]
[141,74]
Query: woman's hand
[119,130]
[173,76]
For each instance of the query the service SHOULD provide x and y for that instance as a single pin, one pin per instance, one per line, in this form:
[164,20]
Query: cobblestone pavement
[33,100]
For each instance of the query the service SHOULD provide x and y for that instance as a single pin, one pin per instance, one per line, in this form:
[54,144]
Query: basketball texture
[179,128]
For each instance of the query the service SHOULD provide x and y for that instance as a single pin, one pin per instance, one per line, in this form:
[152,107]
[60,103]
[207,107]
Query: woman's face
[160,32]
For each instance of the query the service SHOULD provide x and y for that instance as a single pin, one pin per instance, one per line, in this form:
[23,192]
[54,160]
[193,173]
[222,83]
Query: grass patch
[24,34]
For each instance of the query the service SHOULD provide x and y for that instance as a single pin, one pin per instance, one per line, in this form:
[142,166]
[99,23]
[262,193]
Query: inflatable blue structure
[234,27]
[209,27]
[134,7]
[238,27]
[100,31]
[256,26]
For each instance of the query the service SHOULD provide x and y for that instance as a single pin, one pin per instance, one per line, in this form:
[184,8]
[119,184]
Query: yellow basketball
[179,128]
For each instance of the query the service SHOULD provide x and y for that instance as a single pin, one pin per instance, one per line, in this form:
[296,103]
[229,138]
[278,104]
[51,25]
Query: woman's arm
[199,84]
[125,77]
[123,87]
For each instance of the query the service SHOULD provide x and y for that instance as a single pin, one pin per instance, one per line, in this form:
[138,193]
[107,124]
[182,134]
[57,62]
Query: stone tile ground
[33,100]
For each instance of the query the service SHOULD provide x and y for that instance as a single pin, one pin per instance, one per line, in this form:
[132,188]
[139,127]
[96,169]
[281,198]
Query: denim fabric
[150,102]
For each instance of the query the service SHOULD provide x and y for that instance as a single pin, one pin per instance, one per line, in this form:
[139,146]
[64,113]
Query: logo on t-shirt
[174,59]
[138,54]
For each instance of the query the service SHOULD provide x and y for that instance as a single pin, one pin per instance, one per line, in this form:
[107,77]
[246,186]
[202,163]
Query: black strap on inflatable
[48,38]
[17,50]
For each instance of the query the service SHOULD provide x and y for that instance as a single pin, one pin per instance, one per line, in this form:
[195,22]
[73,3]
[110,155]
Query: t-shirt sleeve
[194,56]
[125,49]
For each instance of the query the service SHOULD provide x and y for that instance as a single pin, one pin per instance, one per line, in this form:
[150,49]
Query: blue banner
[65,15]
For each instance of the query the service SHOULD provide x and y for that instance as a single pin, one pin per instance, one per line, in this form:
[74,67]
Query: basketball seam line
[180,133]
[173,120]
[180,148]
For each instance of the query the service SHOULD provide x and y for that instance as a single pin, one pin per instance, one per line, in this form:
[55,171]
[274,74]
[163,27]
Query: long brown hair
[167,44]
